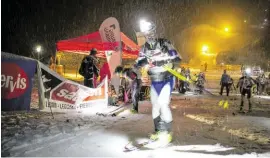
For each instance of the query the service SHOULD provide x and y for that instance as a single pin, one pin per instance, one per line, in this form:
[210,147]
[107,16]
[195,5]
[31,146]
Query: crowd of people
[246,84]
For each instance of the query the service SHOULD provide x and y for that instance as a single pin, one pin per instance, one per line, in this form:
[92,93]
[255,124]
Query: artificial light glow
[265,20]
[205,48]
[226,29]
[248,70]
[145,26]
[38,49]
[245,21]
[209,54]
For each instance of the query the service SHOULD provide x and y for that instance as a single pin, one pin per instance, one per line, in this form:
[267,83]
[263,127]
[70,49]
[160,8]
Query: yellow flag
[226,105]
[221,103]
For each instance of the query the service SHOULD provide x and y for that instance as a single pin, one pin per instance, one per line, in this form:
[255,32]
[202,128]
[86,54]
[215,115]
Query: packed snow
[201,128]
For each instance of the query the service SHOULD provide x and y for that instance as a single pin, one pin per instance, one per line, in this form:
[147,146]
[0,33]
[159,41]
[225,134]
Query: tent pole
[121,50]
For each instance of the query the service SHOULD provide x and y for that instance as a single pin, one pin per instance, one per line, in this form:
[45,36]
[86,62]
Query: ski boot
[241,107]
[160,139]
[154,136]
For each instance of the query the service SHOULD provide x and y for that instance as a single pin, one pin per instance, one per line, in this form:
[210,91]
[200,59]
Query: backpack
[85,67]
[82,68]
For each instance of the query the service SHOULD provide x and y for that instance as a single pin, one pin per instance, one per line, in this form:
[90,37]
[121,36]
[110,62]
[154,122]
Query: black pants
[243,93]
[227,88]
[89,83]
[136,88]
[246,91]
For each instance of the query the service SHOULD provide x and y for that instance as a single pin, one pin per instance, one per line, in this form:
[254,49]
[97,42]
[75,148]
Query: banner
[110,33]
[16,81]
[61,95]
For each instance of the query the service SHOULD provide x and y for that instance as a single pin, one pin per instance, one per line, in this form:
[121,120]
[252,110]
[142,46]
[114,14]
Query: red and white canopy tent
[83,44]
[71,52]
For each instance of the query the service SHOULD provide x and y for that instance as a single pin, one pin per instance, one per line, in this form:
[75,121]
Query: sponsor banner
[58,106]
[16,81]
[110,33]
[63,95]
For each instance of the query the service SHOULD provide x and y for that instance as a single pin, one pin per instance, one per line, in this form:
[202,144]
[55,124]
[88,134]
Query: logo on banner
[97,93]
[14,81]
[110,36]
[66,92]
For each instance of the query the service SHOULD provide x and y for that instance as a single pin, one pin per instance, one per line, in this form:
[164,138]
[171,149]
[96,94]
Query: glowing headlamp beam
[145,26]
[248,70]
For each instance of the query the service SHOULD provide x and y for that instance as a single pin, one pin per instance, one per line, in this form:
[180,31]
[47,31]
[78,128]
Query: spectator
[89,69]
[205,66]
[105,71]
[224,82]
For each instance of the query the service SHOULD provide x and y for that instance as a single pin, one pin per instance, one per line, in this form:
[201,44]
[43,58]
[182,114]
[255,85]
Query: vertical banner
[61,95]
[16,81]
[111,38]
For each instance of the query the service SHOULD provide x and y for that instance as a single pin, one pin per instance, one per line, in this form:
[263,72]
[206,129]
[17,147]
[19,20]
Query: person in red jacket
[105,71]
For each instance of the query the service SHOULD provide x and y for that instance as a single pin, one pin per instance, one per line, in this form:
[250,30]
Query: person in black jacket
[224,82]
[89,69]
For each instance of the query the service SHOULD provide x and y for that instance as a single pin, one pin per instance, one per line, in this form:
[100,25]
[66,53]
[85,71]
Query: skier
[245,83]
[200,82]
[261,82]
[183,86]
[156,53]
[231,84]
[188,76]
[188,73]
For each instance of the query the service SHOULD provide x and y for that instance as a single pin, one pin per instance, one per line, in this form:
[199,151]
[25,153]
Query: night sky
[26,23]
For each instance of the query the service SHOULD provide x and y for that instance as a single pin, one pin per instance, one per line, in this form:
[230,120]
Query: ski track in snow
[25,134]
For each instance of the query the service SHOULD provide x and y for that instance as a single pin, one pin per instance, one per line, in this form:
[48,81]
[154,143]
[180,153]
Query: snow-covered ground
[201,128]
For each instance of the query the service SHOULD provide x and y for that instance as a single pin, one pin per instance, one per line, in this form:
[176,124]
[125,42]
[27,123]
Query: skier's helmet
[245,74]
[148,28]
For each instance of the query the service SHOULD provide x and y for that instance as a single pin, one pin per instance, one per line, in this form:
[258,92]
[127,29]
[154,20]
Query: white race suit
[156,55]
